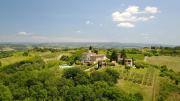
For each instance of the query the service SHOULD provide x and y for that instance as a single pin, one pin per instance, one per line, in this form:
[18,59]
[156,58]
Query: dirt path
[145,58]
[154,87]
[143,78]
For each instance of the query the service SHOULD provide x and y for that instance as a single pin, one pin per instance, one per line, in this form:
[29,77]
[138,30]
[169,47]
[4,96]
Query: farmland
[146,78]
[172,62]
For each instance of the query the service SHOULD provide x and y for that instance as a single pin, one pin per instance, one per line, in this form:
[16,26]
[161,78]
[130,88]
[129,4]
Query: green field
[172,62]
[142,81]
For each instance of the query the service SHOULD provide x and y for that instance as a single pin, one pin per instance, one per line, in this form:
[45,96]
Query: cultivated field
[172,62]
[142,81]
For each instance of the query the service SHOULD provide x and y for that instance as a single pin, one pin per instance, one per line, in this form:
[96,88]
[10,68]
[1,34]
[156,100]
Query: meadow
[172,62]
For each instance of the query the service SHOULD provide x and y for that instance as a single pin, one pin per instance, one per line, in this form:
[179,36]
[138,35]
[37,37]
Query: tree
[80,93]
[138,97]
[25,54]
[77,56]
[114,74]
[113,56]
[0,63]
[5,94]
[100,76]
[95,51]
[90,47]
[123,54]
[64,58]
[77,75]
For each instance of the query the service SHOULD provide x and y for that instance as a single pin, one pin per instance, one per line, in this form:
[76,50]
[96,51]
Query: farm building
[92,57]
[125,61]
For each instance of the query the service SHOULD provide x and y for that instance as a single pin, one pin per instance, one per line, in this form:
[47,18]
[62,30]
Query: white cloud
[89,22]
[126,24]
[23,33]
[133,14]
[152,10]
[133,9]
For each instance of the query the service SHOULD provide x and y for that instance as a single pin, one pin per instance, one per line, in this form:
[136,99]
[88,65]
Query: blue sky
[126,21]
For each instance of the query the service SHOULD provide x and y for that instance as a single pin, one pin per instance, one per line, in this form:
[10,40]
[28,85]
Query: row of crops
[144,78]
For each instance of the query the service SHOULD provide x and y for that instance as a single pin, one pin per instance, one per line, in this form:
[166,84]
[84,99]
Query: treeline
[169,83]
[45,49]
[172,51]
[32,81]
[165,72]
[4,54]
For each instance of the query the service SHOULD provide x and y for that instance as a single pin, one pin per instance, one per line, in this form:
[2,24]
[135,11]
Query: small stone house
[126,61]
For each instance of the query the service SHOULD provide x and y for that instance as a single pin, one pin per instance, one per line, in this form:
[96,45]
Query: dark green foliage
[64,58]
[123,54]
[110,76]
[170,73]
[45,49]
[5,93]
[75,57]
[113,56]
[148,54]
[4,54]
[0,63]
[90,47]
[100,76]
[138,96]
[29,80]
[95,51]
[166,88]
[138,65]
[77,75]
[25,54]
[127,67]
[114,74]
[80,93]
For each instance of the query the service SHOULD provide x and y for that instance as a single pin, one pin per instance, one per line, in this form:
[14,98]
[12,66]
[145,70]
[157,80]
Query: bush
[80,93]
[5,94]
[127,67]
[77,75]
[110,64]
[110,76]
[114,74]
[25,54]
[64,58]
[138,65]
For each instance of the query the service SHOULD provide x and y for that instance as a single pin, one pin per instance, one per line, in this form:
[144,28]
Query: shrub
[77,75]
[64,58]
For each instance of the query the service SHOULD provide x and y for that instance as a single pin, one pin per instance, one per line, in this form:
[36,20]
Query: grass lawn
[170,61]
[137,57]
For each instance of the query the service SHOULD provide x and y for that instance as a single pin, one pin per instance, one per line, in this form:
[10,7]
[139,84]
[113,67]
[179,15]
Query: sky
[125,21]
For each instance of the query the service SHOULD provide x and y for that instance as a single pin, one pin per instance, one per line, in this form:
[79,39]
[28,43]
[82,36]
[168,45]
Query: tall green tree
[90,47]
[113,56]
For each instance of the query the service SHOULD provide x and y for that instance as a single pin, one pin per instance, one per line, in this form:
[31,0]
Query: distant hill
[23,46]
